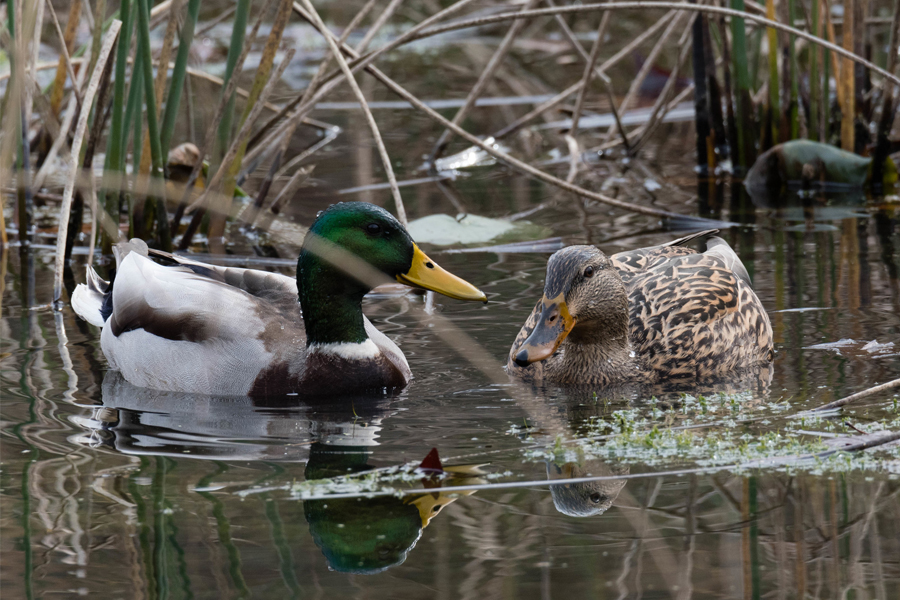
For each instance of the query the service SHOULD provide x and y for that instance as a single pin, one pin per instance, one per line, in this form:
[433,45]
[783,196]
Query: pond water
[120,492]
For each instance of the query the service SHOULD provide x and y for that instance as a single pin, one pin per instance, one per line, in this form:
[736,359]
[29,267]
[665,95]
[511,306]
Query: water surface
[119,492]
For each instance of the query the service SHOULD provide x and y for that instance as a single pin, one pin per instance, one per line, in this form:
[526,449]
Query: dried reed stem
[872,391]
[66,59]
[486,75]
[56,94]
[59,144]
[80,130]
[576,9]
[244,134]
[360,97]
[614,59]
[302,105]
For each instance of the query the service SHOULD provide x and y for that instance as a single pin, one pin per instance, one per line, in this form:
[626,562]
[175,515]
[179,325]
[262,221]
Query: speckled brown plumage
[666,313]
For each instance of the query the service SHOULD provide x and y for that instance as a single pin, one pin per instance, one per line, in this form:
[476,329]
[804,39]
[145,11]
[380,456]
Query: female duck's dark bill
[425,273]
[552,327]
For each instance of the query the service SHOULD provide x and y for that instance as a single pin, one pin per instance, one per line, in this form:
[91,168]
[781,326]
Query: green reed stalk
[134,110]
[178,73]
[741,82]
[115,155]
[234,51]
[813,124]
[701,97]
[795,75]
[774,96]
[756,43]
[157,164]
[132,122]
[825,119]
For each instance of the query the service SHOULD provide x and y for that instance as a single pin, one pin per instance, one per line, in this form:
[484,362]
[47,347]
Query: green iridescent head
[351,248]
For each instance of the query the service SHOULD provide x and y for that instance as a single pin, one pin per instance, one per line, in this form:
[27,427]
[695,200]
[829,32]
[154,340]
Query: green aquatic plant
[745,435]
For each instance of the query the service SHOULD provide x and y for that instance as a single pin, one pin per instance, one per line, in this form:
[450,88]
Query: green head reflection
[358,535]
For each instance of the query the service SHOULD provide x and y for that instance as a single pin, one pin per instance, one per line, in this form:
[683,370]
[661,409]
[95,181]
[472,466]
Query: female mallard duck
[193,327]
[649,315]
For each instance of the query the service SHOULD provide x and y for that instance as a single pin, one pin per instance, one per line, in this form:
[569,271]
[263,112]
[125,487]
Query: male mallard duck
[648,315]
[193,327]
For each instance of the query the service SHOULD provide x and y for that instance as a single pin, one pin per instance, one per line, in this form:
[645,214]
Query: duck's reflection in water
[141,421]
[370,535]
[336,438]
[589,498]
[581,407]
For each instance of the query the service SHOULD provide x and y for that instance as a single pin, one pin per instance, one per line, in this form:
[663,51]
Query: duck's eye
[589,272]
[596,498]
[373,228]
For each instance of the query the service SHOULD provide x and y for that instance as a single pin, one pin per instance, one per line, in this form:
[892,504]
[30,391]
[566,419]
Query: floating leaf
[806,162]
[444,230]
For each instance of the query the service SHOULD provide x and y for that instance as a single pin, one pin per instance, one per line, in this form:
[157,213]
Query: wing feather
[693,316]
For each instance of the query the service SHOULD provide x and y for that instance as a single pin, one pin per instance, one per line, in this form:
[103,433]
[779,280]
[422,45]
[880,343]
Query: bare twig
[65,52]
[648,64]
[486,75]
[503,156]
[226,14]
[614,59]
[301,106]
[275,169]
[385,159]
[872,391]
[656,113]
[575,9]
[80,130]
[647,129]
[590,61]
[376,27]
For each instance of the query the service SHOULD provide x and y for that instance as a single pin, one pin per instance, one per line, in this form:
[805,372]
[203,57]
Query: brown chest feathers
[316,378]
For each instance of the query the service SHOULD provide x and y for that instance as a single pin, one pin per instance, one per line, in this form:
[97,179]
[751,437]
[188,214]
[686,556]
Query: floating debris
[472,156]
[872,348]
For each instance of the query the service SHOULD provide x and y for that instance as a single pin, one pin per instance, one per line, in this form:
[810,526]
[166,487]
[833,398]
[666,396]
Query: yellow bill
[425,273]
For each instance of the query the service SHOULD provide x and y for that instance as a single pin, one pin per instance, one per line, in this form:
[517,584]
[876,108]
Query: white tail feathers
[87,300]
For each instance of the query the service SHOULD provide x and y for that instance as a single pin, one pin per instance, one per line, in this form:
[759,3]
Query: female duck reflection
[364,535]
[589,498]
